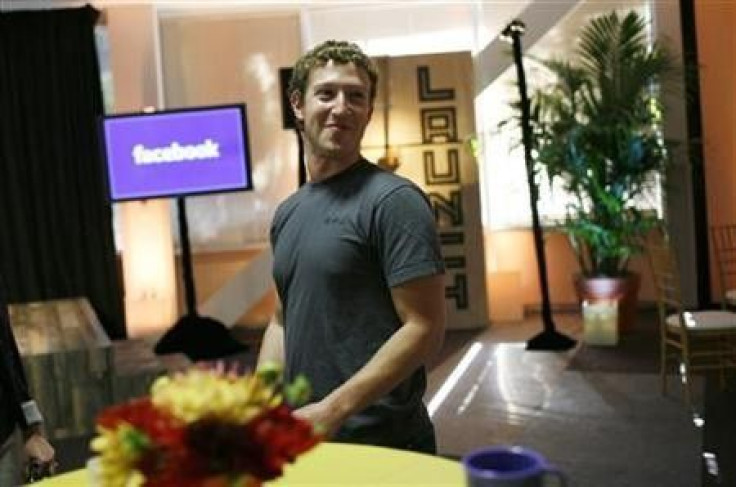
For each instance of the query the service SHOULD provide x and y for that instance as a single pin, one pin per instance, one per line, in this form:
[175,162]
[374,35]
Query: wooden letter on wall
[458,292]
[439,125]
[433,176]
[426,93]
[452,207]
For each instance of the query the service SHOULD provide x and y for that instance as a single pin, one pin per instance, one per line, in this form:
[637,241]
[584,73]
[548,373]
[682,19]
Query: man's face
[335,111]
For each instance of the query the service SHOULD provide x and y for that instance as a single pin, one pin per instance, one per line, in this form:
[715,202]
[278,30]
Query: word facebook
[175,152]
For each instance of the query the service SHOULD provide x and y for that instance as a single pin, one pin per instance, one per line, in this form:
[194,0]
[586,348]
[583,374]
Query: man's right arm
[272,346]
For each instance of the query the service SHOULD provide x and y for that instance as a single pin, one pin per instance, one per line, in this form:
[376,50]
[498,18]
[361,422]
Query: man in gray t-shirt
[357,268]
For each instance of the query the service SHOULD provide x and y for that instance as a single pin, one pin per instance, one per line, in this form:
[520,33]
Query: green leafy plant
[596,128]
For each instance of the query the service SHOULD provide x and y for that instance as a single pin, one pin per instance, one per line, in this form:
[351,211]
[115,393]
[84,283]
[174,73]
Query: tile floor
[602,428]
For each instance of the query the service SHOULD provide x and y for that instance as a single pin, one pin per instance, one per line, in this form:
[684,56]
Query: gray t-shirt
[339,246]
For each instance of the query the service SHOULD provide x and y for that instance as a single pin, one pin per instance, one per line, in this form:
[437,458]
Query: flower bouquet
[206,427]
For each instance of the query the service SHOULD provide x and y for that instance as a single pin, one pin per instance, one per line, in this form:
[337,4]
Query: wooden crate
[136,366]
[68,361]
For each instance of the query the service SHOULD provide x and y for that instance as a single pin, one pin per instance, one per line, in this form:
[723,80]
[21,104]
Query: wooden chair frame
[690,340]
[724,246]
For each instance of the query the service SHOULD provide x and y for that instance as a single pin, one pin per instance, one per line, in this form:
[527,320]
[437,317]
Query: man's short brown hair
[341,52]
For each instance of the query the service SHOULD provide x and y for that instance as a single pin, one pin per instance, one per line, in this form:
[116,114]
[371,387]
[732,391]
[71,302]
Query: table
[343,465]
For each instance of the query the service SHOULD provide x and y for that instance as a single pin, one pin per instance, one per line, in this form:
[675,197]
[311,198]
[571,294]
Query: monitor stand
[198,337]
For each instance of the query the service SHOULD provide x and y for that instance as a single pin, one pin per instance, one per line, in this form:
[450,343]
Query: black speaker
[287,116]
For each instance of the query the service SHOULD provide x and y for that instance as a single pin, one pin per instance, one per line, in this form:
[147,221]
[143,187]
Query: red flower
[282,437]
[259,448]
[157,424]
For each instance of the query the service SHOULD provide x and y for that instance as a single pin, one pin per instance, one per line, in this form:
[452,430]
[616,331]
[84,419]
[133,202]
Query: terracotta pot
[625,289]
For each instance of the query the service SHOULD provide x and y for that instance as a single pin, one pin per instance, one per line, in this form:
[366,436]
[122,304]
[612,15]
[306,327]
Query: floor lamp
[549,338]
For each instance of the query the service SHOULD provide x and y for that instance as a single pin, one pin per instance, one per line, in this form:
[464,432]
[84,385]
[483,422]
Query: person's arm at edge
[420,304]
[31,424]
[272,345]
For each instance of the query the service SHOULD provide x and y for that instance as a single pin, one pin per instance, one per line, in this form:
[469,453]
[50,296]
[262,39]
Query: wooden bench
[73,368]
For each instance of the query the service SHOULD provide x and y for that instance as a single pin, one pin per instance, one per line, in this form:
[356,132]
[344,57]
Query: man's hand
[38,448]
[41,463]
[324,419]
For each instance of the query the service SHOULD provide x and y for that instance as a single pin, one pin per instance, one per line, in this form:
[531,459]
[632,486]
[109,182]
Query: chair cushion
[705,320]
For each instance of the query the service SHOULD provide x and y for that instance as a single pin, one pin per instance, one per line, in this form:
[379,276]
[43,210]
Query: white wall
[216,59]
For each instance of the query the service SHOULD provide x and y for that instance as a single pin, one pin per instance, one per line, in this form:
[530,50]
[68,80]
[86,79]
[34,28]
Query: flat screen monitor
[173,153]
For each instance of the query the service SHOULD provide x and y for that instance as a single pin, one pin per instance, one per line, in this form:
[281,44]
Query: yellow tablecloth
[343,465]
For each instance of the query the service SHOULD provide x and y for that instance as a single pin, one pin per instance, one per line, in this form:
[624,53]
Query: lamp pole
[549,338]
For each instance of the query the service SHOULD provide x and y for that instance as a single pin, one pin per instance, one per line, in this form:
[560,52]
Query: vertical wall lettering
[439,128]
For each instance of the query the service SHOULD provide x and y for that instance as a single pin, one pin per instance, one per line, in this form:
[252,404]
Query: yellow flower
[119,449]
[212,393]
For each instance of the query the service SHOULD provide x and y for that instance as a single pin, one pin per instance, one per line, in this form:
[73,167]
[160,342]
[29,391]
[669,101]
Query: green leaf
[298,392]
[270,372]
[135,441]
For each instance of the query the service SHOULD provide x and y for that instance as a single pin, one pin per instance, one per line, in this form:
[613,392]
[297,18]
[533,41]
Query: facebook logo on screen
[177,152]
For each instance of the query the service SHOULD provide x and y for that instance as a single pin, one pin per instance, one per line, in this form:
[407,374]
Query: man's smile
[337,126]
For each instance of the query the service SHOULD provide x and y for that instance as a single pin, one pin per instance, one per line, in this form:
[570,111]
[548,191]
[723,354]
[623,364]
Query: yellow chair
[690,340]
[724,245]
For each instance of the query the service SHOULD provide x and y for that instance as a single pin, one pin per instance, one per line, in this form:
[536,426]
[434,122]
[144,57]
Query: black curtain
[55,221]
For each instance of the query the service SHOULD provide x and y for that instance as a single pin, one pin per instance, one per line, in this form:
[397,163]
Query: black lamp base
[550,340]
[199,338]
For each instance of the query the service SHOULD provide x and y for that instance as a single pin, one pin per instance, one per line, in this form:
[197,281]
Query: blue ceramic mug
[509,466]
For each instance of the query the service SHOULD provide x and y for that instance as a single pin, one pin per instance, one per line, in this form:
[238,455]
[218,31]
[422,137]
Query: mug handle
[552,471]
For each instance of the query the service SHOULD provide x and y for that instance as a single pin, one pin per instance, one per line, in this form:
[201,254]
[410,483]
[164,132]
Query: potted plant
[597,130]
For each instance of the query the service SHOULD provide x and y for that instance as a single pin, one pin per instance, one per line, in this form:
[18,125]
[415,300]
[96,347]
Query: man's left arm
[420,304]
